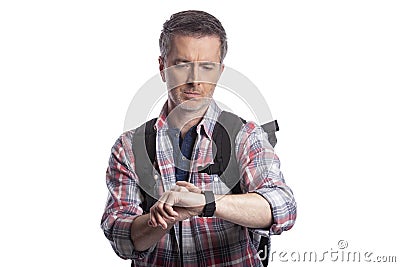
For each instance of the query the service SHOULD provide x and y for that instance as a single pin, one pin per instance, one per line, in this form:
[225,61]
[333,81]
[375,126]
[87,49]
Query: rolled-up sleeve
[124,199]
[260,169]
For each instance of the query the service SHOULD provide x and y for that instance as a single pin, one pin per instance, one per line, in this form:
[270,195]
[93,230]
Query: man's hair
[192,23]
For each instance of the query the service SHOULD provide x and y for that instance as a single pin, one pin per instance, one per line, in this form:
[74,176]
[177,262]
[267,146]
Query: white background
[69,69]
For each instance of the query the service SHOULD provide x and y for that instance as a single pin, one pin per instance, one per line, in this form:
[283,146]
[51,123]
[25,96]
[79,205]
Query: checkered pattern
[206,241]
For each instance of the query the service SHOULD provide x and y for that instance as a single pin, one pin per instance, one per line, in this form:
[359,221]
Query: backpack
[225,164]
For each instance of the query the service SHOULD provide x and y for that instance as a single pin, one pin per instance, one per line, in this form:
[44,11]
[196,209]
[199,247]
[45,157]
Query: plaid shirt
[206,241]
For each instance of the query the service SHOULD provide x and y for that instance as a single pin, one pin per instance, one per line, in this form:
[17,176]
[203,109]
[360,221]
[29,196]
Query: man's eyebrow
[184,60]
[207,63]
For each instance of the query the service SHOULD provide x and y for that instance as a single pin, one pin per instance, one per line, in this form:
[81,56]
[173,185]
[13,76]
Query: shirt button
[177,135]
[183,158]
[215,179]
[155,176]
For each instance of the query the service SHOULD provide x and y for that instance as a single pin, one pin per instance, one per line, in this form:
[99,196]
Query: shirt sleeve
[124,199]
[260,172]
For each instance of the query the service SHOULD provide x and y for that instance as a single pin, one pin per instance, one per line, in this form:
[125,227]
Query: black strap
[225,165]
[181,243]
[263,248]
[144,149]
[271,127]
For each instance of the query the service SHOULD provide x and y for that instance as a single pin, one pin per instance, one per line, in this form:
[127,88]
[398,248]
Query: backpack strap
[225,165]
[271,128]
[144,149]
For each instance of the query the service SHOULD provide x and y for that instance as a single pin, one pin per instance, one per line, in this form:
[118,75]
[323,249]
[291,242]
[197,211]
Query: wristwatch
[209,208]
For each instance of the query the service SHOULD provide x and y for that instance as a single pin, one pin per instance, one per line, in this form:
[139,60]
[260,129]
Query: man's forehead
[187,47]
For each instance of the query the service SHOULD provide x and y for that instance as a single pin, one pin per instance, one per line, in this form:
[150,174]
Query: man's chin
[196,104]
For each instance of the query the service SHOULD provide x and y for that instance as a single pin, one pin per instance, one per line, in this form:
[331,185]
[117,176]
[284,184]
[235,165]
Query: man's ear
[161,67]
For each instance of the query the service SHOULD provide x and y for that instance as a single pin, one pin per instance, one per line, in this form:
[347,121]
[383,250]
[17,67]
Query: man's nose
[194,75]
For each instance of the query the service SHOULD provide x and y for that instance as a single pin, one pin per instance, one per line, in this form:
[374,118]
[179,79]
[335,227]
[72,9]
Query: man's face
[191,71]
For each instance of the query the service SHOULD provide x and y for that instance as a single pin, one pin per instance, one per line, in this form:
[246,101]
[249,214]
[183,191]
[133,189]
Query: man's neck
[185,119]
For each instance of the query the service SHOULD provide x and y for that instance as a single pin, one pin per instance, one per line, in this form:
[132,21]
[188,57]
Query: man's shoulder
[235,128]
[134,137]
[139,129]
[124,140]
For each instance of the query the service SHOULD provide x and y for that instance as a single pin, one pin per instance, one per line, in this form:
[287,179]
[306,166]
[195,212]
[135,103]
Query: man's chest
[169,157]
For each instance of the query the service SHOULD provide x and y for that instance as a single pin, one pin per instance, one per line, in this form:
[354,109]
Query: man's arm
[250,210]
[261,175]
[123,221]
[144,235]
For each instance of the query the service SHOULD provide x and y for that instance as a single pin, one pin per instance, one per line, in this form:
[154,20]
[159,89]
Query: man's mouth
[191,94]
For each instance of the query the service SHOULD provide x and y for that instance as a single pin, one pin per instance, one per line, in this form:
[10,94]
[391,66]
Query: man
[197,221]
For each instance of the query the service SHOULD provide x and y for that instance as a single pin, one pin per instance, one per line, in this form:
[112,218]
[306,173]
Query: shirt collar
[210,118]
[206,125]
[161,122]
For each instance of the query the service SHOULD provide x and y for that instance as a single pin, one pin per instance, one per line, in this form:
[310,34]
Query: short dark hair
[192,23]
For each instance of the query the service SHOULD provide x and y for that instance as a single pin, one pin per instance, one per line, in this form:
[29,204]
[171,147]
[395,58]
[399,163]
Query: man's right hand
[178,204]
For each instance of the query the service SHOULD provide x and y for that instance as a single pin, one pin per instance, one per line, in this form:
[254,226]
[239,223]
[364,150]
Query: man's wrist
[209,207]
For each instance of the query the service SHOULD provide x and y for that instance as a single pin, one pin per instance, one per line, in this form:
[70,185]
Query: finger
[161,210]
[189,186]
[149,221]
[170,211]
[160,220]
[183,183]
[164,207]
[175,188]
[178,188]
[156,218]
[152,221]
[155,214]
[167,212]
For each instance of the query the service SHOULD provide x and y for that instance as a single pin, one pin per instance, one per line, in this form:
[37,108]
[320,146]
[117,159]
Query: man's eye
[208,67]
[182,65]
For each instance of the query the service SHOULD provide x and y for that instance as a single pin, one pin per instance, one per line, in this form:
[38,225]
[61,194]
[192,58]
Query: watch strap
[209,207]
